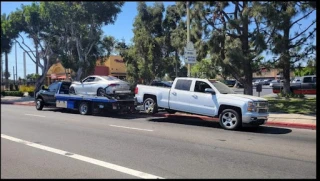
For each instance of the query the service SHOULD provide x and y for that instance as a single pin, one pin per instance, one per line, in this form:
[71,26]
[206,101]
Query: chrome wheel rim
[229,120]
[83,109]
[148,104]
[38,104]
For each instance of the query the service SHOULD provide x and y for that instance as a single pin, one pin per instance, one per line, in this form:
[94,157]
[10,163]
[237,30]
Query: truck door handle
[195,96]
[173,93]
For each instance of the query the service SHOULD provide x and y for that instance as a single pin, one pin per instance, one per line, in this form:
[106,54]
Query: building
[114,66]
[270,74]
[57,72]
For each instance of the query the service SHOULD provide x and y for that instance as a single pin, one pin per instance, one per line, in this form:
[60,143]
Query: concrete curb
[19,103]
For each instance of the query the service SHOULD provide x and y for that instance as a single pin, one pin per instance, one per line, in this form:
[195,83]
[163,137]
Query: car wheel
[101,92]
[39,104]
[150,106]
[229,119]
[84,108]
[72,91]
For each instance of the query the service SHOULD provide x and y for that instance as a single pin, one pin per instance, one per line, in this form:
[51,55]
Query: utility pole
[14,81]
[188,33]
[16,60]
[24,66]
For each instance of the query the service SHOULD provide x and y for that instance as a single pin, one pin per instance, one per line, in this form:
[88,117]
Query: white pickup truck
[205,97]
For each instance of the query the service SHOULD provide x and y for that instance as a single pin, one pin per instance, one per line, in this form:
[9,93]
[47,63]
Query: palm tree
[6,45]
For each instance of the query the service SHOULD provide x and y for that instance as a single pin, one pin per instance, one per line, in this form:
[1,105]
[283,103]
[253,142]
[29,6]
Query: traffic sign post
[190,54]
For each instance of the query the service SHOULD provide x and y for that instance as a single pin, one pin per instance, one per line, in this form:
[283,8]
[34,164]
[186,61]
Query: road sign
[190,54]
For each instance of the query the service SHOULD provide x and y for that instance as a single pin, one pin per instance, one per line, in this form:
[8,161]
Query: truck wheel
[84,108]
[150,106]
[229,119]
[39,104]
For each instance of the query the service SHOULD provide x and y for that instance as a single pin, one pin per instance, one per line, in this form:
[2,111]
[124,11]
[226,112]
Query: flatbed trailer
[87,104]
[57,95]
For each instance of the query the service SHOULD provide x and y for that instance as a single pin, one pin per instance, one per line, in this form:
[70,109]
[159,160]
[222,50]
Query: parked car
[274,81]
[267,81]
[100,86]
[307,85]
[161,83]
[258,81]
[296,80]
[230,83]
[204,97]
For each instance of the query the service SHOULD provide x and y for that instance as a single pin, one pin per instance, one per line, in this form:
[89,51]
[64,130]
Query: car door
[180,95]
[201,102]
[49,95]
[87,85]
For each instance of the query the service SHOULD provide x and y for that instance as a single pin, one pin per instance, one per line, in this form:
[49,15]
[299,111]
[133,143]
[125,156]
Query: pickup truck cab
[205,97]
[306,85]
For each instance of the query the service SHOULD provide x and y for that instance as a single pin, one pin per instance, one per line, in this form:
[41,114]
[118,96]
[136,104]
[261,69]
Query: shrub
[3,93]
[26,88]
[13,93]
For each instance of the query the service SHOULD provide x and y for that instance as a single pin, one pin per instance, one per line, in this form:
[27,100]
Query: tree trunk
[37,60]
[41,79]
[79,73]
[6,73]
[245,49]
[286,59]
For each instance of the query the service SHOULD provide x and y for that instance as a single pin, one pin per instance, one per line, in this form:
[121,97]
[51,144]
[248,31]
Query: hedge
[12,93]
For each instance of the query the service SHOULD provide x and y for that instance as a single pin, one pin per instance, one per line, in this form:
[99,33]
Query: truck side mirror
[211,91]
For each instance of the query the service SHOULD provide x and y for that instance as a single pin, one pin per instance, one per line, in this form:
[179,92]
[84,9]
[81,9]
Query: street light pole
[188,32]
[16,60]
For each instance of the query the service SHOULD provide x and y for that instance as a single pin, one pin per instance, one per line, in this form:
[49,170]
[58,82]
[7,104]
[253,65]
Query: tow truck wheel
[39,104]
[150,106]
[229,119]
[84,108]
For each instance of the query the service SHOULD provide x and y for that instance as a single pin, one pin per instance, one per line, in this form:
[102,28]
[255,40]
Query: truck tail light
[136,90]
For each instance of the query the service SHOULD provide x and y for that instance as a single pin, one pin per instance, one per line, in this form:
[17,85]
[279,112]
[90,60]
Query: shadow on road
[214,124]
[101,114]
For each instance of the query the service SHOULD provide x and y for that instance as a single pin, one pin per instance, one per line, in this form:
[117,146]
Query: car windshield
[110,77]
[222,88]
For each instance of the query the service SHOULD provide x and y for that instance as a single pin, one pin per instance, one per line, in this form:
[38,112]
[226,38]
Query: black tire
[72,91]
[39,104]
[150,102]
[170,111]
[84,108]
[229,119]
[101,92]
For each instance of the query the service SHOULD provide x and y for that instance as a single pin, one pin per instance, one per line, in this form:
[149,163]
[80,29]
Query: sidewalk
[275,119]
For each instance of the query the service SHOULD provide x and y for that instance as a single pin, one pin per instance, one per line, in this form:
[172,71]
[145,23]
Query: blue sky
[122,29]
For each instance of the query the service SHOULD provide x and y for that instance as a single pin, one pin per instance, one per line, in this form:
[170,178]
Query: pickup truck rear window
[183,84]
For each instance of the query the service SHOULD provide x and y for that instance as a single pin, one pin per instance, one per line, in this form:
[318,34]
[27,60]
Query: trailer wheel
[39,104]
[84,108]
[101,92]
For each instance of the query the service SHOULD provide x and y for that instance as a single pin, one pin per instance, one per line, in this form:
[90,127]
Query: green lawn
[292,105]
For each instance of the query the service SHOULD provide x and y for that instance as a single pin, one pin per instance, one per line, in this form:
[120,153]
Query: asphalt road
[55,144]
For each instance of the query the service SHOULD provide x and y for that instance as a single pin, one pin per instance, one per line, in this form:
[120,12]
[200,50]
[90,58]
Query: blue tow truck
[57,95]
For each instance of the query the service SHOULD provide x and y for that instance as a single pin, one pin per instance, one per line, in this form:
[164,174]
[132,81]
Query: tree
[290,47]
[8,34]
[203,69]
[221,31]
[79,25]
